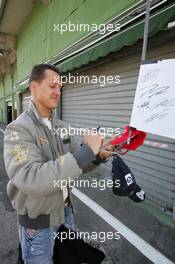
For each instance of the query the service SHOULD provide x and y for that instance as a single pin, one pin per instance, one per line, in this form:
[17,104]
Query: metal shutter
[111,106]
[26,97]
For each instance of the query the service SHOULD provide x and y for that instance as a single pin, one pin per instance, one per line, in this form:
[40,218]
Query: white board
[154,104]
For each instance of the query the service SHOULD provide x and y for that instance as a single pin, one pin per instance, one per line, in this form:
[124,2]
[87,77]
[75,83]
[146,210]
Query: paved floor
[8,228]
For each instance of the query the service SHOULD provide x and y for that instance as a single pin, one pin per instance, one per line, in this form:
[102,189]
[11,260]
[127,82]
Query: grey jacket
[35,159]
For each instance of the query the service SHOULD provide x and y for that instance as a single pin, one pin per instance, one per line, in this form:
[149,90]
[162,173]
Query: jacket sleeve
[77,154]
[25,167]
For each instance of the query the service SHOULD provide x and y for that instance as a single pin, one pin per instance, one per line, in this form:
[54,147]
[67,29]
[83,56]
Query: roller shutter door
[26,97]
[91,105]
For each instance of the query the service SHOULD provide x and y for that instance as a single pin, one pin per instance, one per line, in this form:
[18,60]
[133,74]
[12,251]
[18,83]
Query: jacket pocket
[31,233]
[35,206]
[44,205]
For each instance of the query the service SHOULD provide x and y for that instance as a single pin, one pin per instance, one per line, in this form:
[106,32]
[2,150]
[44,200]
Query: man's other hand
[107,149]
[94,142]
[106,152]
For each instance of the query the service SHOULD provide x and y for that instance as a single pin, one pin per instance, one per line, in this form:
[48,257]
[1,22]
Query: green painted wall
[8,85]
[37,41]
[1,110]
[1,91]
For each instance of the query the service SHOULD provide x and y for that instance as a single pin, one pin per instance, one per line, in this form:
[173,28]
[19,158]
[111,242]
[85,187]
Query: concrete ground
[8,230]
[156,232]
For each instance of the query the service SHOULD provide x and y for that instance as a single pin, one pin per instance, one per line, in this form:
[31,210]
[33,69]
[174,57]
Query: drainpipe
[12,95]
[146,30]
[4,108]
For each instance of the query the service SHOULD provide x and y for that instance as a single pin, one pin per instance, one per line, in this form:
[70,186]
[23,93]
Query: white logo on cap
[129,179]
[141,194]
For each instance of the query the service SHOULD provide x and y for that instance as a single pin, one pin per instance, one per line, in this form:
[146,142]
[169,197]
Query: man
[37,159]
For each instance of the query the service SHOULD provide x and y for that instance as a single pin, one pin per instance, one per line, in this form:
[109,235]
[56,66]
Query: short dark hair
[37,73]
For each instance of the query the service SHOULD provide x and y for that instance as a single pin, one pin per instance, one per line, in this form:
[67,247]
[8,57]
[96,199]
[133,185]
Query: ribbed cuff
[84,155]
[41,221]
[98,160]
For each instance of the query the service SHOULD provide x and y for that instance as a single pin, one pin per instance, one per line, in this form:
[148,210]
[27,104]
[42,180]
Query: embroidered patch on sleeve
[21,154]
[14,135]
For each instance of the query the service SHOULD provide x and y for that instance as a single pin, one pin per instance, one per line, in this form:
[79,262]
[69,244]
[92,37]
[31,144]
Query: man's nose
[58,91]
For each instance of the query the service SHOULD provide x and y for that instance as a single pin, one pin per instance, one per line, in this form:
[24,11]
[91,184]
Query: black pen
[98,128]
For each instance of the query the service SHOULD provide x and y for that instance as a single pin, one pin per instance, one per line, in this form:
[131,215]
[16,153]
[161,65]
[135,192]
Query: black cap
[124,183]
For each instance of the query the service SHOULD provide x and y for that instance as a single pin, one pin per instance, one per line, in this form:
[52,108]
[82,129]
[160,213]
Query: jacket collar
[33,110]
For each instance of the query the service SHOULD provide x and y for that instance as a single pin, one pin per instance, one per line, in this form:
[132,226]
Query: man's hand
[106,152]
[106,149]
[94,142]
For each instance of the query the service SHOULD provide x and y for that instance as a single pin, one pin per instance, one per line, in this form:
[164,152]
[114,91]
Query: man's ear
[32,86]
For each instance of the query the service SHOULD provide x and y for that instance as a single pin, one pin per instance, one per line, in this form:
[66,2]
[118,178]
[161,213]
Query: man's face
[47,92]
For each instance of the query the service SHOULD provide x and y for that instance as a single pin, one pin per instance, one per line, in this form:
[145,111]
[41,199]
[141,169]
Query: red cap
[130,139]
